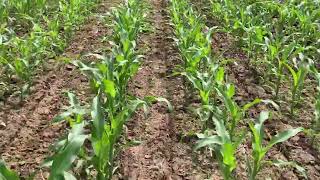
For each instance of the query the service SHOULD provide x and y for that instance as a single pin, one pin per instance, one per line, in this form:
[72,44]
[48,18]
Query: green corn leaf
[288,51]
[97,117]
[63,160]
[153,99]
[231,91]
[208,141]
[283,136]
[61,117]
[257,139]
[229,159]
[249,105]
[221,130]
[220,75]
[257,129]
[293,74]
[273,50]
[7,174]
[264,115]
[109,87]
[73,99]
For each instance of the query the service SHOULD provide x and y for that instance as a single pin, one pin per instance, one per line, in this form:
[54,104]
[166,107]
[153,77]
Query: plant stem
[279,80]
[293,103]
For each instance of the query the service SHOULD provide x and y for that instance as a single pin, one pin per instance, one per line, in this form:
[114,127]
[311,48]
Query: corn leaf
[208,141]
[64,158]
[7,174]
[109,87]
[249,105]
[97,117]
[283,136]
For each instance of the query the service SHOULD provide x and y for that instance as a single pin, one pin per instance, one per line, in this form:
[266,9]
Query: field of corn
[159,89]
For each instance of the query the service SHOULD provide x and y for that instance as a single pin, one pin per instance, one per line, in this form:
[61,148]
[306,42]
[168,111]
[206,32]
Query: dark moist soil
[26,132]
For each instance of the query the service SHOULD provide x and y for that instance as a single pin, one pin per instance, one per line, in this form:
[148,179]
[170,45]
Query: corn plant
[231,112]
[109,78]
[66,153]
[105,129]
[259,151]
[193,40]
[128,21]
[20,56]
[223,146]
[298,77]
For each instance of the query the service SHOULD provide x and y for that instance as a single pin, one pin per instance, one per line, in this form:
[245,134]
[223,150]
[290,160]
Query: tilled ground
[165,149]
[162,153]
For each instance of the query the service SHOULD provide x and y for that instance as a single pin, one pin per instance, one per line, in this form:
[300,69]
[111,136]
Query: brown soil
[26,131]
[162,154]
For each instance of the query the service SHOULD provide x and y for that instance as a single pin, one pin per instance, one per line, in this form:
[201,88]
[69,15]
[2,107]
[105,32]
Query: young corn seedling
[284,56]
[24,55]
[108,115]
[258,150]
[204,84]
[107,120]
[195,48]
[66,153]
[298,78]
[223,146]
[232,113]
[74,113]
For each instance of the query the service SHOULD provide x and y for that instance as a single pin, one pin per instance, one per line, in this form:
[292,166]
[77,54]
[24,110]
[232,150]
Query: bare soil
[162,153]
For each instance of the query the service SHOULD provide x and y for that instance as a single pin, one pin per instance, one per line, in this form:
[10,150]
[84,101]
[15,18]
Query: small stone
[154,168]
[135,165]
[2,125]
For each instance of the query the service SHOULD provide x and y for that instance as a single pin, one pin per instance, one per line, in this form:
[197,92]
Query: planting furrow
[160,154]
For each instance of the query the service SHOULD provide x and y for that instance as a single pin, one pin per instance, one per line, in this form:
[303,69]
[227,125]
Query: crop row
[277,36]
[281,40]
[91,144]
[30,32]
[221,116]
